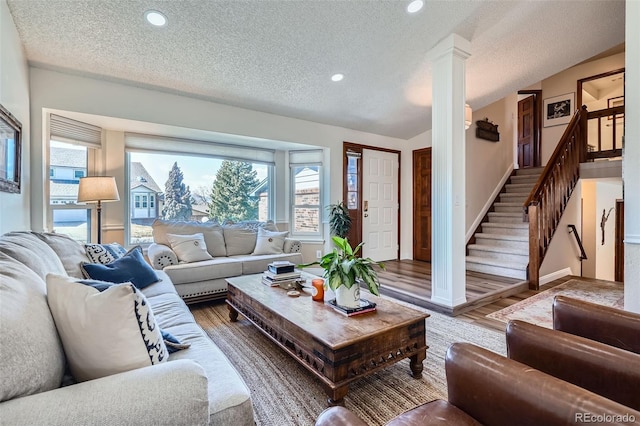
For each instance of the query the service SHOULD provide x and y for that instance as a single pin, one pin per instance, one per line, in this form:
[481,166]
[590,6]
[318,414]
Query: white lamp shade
[93,189]
[467,116]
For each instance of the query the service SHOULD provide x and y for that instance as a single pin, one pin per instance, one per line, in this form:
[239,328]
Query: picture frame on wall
[10,151]
[559,109]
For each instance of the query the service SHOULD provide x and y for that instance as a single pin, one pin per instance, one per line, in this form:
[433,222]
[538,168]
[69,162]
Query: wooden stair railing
[550,195]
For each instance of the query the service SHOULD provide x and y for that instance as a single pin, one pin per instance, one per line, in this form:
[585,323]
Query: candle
[317,291]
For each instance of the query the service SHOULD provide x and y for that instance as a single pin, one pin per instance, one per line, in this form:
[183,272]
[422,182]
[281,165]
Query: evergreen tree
[177,196]
[230,199]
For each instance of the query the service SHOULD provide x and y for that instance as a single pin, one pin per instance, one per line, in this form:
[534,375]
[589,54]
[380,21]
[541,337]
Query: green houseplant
[339,219]
[343,269]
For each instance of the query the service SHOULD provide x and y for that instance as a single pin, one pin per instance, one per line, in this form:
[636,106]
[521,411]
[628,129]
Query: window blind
[307,156]
[65,129]
[151,143]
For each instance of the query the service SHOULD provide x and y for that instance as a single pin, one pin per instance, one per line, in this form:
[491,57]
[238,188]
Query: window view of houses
[180,187]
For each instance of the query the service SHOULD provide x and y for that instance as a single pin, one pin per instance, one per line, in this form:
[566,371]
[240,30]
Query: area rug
[537,309]
[285,393]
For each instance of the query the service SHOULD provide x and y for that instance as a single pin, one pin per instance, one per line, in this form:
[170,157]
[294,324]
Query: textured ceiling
[278,56]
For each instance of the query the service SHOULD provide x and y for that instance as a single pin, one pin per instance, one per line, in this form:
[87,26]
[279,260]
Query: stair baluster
[549,197]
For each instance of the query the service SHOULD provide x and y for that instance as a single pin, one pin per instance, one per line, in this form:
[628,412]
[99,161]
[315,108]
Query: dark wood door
[619,248]
[526,118]
[422,204]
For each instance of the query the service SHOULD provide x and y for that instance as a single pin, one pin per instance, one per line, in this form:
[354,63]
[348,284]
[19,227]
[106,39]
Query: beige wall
[563,253]
[488,162]
[14,96]
[566,82]
[589,227]
[55,90]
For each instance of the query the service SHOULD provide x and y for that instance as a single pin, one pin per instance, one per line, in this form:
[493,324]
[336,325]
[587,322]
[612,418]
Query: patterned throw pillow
[269,242]
[129,268]
[104,253]
[189,248]
[172,342]
[104,333]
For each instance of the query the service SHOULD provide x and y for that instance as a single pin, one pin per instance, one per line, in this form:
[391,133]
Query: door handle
[366,206]
[366,215]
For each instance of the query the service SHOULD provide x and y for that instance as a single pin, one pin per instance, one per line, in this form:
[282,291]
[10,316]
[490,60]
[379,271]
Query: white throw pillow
[189,248]
[269,242]
[239,240]
[106,332]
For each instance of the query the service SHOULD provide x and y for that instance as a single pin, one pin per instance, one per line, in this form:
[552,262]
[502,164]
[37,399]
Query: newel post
[534,247]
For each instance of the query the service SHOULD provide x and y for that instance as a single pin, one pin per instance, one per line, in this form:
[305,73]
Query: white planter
[348,297]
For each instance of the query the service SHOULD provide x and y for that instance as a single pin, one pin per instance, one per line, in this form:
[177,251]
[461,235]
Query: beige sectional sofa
[195,386]
[236,249]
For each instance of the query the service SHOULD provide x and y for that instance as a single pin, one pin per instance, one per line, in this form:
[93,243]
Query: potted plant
[343,269]
[339,219]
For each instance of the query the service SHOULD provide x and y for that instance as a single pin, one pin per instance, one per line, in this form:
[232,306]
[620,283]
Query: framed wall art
[10,151]
[558,110]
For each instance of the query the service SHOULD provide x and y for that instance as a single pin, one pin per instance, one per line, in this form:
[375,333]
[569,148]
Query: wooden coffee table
[335,348]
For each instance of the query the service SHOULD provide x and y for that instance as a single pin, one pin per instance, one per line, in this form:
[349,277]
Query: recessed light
[337,77]
[415,6]
[155,18]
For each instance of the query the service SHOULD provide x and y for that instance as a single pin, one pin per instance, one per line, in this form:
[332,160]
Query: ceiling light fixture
[337,77]
[415,6]
[155,18]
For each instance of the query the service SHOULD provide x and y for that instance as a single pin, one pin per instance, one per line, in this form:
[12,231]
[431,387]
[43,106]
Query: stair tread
[529,171]
[515,194]
[497,262]
[506,214]
[506,237]
[498,249]
[506,204]
[523,225]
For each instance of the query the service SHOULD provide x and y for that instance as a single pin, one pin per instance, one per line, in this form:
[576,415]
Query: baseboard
[488,204]
[555,275]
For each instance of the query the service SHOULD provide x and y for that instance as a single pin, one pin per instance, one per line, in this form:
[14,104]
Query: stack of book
[281,273]
[365,306]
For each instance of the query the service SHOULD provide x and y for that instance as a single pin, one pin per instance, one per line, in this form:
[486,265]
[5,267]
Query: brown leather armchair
[489,389]
[606,370]
[596,322]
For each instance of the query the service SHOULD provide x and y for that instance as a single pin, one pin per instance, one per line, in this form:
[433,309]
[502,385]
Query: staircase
[502,246]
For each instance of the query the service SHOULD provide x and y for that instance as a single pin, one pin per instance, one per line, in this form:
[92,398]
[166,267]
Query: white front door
[380,204]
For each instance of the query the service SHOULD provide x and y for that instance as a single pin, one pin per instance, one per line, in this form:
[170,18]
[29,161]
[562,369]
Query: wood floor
[410,281]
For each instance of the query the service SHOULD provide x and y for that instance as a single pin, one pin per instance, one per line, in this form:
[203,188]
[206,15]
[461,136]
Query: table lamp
[98,189]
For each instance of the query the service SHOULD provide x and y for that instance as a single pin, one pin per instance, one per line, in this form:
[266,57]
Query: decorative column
[448,271]
[631,160]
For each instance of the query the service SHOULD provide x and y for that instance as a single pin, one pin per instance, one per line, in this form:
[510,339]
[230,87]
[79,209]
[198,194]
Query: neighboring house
[199,212]
[261,191]
[145,195]
[67,166]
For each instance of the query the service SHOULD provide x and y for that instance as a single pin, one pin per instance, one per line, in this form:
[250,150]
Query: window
[214,189]
[73,151]
[306,195]
[66,216]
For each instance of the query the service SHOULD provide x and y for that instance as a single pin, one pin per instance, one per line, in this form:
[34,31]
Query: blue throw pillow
[172,343]
[129,268]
